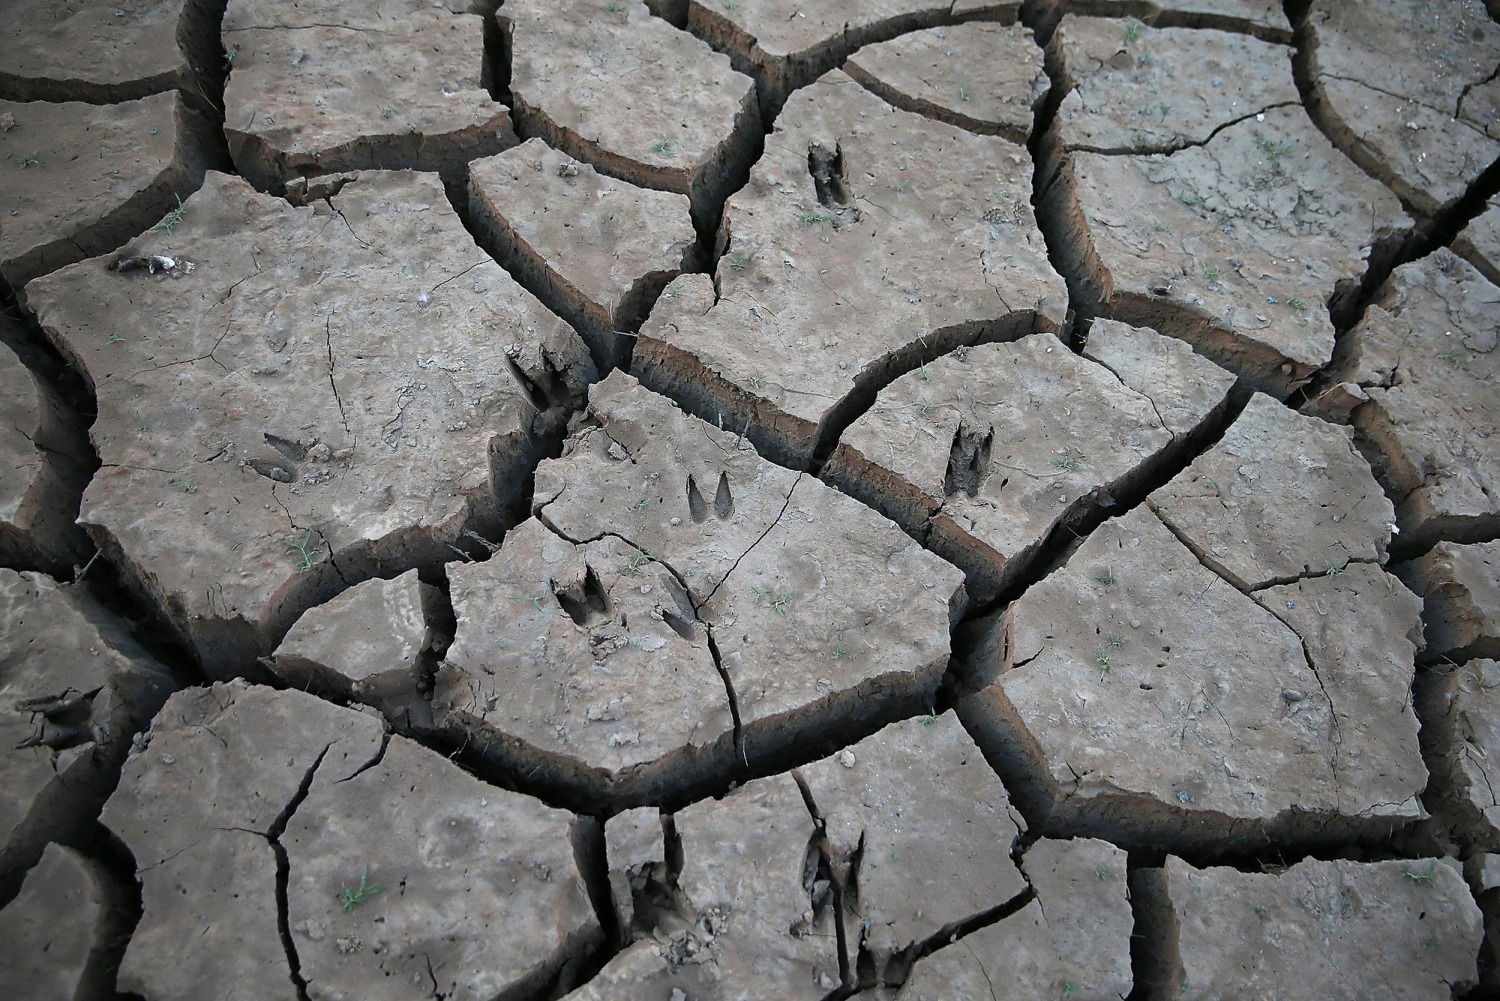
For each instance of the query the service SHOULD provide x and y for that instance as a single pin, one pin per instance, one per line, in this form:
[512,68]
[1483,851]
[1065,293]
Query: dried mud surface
[699,500]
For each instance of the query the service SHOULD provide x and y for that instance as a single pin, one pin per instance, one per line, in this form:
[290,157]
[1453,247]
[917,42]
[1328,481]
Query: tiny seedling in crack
[1334,569]
[229,55]
[1105,577]
[350,898]
[662,148]
[929,719]
[756,381]
[1068,462]
[1104,872]
[637,566]
[171,219]
[1263,912]
[1212,274]
[114,338]
[30,160]
[187,486]
[306,551]
[1101,661]
[1427,878]
[738,262]
[1133,29]
[1296,304]
[1272,151]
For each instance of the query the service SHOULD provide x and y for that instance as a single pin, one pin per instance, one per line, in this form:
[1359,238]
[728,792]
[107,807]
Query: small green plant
[963,93]
[306,551]
[114,338]
[1069,989]
[838,650]
[731,6]
[230,53]
[899,186]
[1296,304]
[615,8]
[756,381]
[1114,641]
[1192,199]
[779,602]
[1272,151]
[923,374]
[1164,109]
[662,147]
[738,262]
[640,505]
[929,719]
[923,408]
[1334,569]
[387,110]
[637,565]
[1068,462]
[1103,871]
[186,484]
[1263,912]
[1105,577]
[171,219]
[1133,29]
[812,218]
[1157,226]
[1212,274]
[1427,878]
[1101,661]
[352,898]
[1454,357]
[29,160]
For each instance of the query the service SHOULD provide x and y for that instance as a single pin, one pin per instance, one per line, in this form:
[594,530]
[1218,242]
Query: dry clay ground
[728,499]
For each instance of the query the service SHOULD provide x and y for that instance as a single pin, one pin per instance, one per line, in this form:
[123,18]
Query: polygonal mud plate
[824,618]
[1407,88]
[1240,245]
[63,931]
[1262,18]
[325,86]
[1281,495]
[1460,589]
[1417,380]
[1135,694]
[294,399]
[788,45]
[1071,940]
[585,666]
[597,249]
[92,177]
[1129,91]
[74,690]
[835,280]
[919,833]
[967,452]
[377,842]
[627,92]
[980,76]
[107,52]
[1461,709]
[1397,929]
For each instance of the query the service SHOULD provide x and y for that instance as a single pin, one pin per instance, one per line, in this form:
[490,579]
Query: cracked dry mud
[702,500]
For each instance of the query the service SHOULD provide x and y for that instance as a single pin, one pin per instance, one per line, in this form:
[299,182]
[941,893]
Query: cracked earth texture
[711,500]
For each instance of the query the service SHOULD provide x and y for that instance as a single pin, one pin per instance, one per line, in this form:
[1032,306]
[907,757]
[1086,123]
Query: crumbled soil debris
[709,499]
